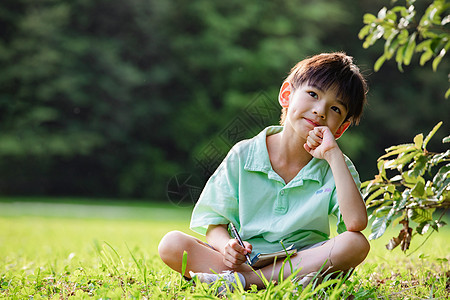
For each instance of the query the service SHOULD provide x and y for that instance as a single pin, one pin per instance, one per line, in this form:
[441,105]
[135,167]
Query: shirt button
[282,193]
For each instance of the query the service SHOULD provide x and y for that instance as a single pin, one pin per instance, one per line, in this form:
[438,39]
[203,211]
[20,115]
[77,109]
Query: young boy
[283,184]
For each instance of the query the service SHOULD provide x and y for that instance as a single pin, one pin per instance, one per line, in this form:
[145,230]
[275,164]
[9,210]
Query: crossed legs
[341,253]
[201,257]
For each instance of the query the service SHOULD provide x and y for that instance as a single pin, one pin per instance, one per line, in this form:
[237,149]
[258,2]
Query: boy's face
[310,106]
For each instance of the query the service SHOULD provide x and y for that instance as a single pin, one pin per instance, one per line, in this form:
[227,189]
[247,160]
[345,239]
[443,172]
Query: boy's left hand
[320,142]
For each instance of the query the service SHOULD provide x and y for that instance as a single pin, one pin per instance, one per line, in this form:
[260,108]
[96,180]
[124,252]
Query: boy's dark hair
[332,70]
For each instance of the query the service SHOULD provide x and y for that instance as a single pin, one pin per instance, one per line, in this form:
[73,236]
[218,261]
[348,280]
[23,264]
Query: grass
[82,249]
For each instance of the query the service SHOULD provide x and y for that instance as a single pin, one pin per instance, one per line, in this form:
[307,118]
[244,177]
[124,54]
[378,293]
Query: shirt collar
[258,160]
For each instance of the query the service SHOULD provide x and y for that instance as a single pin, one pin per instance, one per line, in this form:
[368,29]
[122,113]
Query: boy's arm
[322,144]
[351,204]
[233,253]
[218,236]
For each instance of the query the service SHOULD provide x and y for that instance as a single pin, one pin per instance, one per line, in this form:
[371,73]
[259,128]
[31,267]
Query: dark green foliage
[422,184]
[111,98]
[115,98]
[406,32]
[417,186]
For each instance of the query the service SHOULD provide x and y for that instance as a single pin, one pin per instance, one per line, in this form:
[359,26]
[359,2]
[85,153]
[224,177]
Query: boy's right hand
[234,254]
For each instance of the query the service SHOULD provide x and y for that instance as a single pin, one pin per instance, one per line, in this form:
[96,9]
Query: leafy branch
[405,33]
[411,184]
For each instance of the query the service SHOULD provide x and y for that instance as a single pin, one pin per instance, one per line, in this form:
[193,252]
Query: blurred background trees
[116,98]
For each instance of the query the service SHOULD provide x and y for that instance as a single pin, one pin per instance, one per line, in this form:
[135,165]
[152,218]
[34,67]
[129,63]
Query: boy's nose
[320,112]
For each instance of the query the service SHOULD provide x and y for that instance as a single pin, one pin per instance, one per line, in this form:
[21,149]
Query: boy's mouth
[314,124]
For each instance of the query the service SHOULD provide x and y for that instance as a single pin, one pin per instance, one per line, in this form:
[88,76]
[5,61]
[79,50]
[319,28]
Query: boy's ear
[342,129]
[285,93]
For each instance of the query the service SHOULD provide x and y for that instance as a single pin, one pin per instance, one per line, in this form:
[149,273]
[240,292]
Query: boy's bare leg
[201,258]
[343,252]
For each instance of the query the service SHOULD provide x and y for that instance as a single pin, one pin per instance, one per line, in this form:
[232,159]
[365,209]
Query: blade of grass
[240,287]
[289,280]
[288,256]
[183,266]
[325,284]
[261,277]
[115,252]
[143,272]
[306,292]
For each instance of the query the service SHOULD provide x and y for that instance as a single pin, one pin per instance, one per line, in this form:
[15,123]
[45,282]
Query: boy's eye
[313,94]
[336,109]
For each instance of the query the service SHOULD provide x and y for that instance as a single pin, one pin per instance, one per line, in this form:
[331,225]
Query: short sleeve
[218,202]
[334,206]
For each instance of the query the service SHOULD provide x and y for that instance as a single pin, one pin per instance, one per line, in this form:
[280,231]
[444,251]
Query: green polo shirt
[246,190]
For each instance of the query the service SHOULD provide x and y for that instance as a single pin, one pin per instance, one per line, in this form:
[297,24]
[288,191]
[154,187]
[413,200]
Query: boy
[282,184]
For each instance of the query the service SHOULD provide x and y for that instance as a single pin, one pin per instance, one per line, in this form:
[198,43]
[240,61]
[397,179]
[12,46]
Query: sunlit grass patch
[82,257]
[421,272]
[73,257]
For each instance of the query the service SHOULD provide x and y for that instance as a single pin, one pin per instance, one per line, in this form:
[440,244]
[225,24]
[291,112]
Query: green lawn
[84,249]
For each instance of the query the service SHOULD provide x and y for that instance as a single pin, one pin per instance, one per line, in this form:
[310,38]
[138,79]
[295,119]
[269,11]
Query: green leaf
[368,18]
[409,50]
[364,31]
[408,180]
[374,36]
[447,138]
[402,159]
[428,52]
[391,49]
[430,135]
[379,227]
[442,176]
[381,169]
[390,188]
[382,211]
[382,13]
[418,141]
[370,186]
[440,223]
[437,60]
[436,42]
[429,191]
[398,147]
[365,184]
[402,149]
[440,157]
[441,55]
[419,166]
[403,36]
[397,177]
[422,228]
[419,189]
[380,61]
[401,9]
[445,20]
[374,195]
[426,56]
[447,93]
[389,36]
[420,215]
[367,43]
[391,17]
[400,200]
[424,46]
[431,15]
[399,57]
